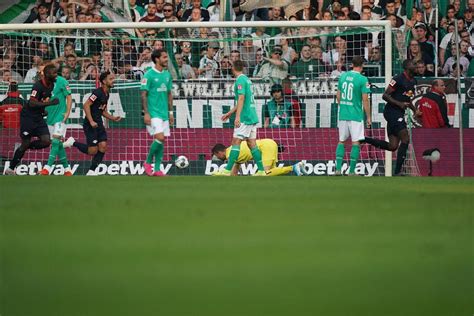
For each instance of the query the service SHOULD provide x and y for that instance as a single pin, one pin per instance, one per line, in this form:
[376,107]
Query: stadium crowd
[270,53]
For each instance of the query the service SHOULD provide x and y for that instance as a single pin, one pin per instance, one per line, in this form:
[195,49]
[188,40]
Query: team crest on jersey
[93,97]
[239,86]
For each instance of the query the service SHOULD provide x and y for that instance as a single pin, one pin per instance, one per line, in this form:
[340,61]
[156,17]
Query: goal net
[302,59]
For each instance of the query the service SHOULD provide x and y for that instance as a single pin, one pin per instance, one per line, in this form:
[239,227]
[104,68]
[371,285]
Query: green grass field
[236,246]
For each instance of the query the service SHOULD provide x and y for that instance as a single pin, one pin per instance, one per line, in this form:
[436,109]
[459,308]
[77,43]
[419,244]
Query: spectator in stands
[208,66]
[136,11]
[144,61]
[6,75]
[8,68]
[306,67]
[317,55]
[366,13]
[247,16]
[259,61]
[340,67]
[90,73]
[422,71]
[391,9]
[433,106]
[248,52]
[71,62]
[159,8]
[416,54]
[196,5]
[275,69]
[31,74]
[168,13]
[277,112]
[189,57]
[151,14]
[185,70]
[290,96]
[429,13]
[333,55]
[374,65]
[450,66]
[66,72]
[376,11]
[234,56]
[308,13]
[43,16]
[289,53]
[182,6]
[107,62]
[448,40]
[422,37]
[226,68]
[464,47]
[127,52]
[451,13]
[470,4]
[260,38]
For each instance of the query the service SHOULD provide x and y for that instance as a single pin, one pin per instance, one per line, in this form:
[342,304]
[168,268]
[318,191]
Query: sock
[279,171]
[19,153]
[82,147]
[233,156]
[153,148]
[401,155]
[158,154]
[56,143]
[62,157]
[355,152]
[377,143]
[257,156]
[38,144]
[96,160]
[339,156]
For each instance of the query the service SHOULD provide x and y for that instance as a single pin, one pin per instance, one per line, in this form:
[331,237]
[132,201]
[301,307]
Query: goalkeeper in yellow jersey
[269,149]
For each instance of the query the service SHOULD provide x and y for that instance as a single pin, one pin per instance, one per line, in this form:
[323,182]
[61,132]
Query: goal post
[200,102]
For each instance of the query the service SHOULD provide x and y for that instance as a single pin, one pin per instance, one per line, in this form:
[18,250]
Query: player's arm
[111,117]
[35,103]
[338,97]
[226,116]
[170,107]
[238,110]
[235,169]
[146,114]
[387,96]
[87,111]
[68,107]
[365,103]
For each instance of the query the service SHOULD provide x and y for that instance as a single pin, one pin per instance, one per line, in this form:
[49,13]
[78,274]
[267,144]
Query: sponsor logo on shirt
[162,88]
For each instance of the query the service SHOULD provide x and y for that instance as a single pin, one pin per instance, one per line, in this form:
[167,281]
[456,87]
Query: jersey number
[347,91]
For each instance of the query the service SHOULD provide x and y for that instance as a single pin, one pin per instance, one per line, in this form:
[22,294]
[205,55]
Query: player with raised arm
[269,149]
[32,122]
[398,96]
[157,102]
[93,126]
[245,123]
[57,117]
[353,100]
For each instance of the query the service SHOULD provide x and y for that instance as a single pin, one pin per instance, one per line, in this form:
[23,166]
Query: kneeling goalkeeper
[269,149]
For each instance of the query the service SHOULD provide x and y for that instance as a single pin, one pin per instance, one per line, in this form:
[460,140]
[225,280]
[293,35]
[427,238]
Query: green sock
[257,156]
[339,156]
[355,152]
[158,154]
[54,151]
[62,156]
[151,153]
[234,155]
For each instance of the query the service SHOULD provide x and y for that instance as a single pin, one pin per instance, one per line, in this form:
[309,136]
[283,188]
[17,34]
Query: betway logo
[326,168]
[112,169]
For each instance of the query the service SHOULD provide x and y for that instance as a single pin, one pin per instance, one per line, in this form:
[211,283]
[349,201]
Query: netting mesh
[306,62]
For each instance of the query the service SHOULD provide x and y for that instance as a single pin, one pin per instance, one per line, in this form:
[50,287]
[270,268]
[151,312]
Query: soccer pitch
[236,246]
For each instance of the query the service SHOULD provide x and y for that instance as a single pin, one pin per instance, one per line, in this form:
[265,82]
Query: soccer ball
[181,162]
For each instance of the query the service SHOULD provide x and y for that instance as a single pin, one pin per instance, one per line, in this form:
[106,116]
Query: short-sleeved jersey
[40,92]
[61,91]
[243,86]
[158,84]
[99,99]
[268,147]
[352,85]
[404,89]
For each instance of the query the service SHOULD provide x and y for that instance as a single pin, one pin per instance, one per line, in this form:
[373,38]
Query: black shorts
[32,126]
[96,135]
[395,120]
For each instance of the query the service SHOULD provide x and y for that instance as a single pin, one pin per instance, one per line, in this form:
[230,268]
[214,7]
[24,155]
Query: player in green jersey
[245,123]
[157,102]
[57,116]
[353,100]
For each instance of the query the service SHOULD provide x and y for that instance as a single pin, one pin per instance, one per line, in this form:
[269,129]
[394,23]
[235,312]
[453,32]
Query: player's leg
[356,130]
[159,148]
[254,150]
[91,137]
[234,152]
[61,132]
[158,129]
[344,133]
[44,138]
[101,149]
[18,154]
[54,150]
[402,150]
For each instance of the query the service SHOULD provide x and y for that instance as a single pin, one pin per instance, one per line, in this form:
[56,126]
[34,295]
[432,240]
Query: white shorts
[351,128]
[158,126]
[58,129]
[246,131]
